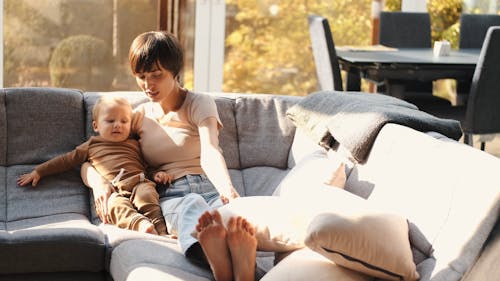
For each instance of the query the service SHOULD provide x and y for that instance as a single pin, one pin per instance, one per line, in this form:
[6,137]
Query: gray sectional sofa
[448,190]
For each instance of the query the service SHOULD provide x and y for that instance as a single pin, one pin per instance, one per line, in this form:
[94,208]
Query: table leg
[353,80]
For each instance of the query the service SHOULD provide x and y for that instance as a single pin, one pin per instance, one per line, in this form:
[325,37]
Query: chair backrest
[405,29]
[325,57]
[473,29]
[483,105]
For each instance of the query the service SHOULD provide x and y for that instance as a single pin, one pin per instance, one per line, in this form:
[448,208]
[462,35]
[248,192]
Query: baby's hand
[162,177]
[32,178]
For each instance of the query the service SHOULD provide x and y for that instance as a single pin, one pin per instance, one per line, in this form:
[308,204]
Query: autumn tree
[268,47]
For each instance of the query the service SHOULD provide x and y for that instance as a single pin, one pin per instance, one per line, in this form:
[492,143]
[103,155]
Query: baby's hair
[107,100]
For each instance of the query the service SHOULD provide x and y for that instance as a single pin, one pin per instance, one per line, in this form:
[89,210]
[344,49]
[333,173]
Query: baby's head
[112,118]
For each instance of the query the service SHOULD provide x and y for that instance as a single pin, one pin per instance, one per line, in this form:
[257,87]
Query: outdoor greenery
[82,62]
[32,29]
[267,47]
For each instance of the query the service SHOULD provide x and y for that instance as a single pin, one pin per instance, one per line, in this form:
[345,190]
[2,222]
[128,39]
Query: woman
[178,134]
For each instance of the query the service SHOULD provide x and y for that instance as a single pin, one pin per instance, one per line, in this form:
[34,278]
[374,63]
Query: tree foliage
[82,62]
[34,28]
[268,46]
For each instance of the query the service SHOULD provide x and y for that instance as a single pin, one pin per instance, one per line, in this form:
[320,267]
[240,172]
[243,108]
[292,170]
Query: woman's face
[157,83]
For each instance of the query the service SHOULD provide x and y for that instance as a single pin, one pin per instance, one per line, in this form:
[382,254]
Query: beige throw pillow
[305,264]
[370,242]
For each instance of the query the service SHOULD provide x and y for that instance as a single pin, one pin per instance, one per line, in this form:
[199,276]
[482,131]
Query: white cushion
[306,264]
[279,227]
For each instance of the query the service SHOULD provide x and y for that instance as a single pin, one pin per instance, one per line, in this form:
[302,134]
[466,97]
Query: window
[258,46]
[266,46]
[72,43]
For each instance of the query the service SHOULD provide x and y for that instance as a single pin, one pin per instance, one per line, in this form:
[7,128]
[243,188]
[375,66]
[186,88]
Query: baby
[116,156]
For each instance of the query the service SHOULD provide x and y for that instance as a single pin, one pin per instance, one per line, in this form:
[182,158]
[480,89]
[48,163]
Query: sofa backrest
[37,124]
[263,133]
[40,124]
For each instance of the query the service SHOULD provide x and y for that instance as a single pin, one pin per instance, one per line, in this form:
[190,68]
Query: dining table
[386,64]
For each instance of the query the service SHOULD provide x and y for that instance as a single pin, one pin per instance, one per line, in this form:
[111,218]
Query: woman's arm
[213,162]
[101,189]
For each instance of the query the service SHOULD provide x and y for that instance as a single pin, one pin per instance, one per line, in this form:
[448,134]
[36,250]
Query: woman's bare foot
[243,248]
[146,226]
[212,238]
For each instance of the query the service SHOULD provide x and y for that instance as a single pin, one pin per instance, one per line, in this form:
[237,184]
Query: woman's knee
[194,199]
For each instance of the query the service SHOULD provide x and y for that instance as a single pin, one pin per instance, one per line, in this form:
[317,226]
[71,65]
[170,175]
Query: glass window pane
[268,46]
[73,43]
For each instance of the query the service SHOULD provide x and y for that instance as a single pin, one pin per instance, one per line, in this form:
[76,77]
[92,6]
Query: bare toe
[212,238]
[242,246]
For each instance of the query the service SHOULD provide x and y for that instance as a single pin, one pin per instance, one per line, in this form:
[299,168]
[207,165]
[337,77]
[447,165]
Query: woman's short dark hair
[156,47]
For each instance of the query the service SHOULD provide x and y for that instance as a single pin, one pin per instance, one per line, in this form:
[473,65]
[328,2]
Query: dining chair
[405,29]
[325,57]
[410,30]
[473,29]
[483,115]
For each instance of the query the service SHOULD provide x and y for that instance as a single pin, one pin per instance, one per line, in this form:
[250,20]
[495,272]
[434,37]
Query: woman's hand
[101,188]
[101,197]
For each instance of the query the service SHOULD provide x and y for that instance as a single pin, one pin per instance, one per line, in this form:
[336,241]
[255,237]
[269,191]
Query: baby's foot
[212,238]
[243,248]
[146,226]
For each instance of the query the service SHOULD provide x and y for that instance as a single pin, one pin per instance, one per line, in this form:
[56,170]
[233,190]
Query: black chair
[473,29]
[410,30]
[405,29]
[325,57]
[483,104]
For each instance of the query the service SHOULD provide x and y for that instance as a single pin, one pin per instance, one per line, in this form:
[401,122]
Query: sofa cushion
[302,146]
[316,170]
[278,225]
[153,260]
[57,194]
[262,180]
[3,194]
[115,236]
[35,135]
[47,227]
[376,244]
[237,180]
[434,193]
[55,243]
[264,133]
[305,264]
[228,135]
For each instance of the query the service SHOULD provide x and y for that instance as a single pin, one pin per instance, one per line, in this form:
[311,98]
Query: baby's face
[113,123]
